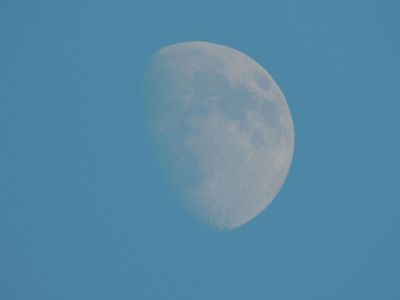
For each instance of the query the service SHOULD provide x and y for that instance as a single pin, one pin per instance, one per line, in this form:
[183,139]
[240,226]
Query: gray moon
[224,130]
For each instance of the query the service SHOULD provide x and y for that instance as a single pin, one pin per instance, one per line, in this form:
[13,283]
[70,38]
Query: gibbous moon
[224,130]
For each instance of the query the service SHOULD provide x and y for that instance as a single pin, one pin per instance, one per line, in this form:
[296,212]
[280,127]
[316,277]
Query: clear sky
[86,211]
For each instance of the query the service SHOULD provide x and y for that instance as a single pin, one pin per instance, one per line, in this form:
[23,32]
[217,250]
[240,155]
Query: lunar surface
[224,130]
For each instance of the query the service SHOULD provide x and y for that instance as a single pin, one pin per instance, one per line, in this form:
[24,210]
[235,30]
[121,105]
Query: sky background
[86,211]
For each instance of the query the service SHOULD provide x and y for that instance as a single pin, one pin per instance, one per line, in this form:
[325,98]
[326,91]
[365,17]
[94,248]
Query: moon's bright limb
[225,128]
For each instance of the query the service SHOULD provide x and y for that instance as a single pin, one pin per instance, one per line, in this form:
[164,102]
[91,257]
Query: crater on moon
[224,127]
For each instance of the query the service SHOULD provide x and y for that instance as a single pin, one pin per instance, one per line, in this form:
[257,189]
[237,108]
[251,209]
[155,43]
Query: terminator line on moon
[224,128]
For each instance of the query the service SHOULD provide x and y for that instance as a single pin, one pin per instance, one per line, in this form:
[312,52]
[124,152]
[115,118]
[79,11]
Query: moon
[224,130]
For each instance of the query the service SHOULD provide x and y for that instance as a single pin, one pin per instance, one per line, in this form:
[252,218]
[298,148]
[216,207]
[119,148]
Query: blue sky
[86,211]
